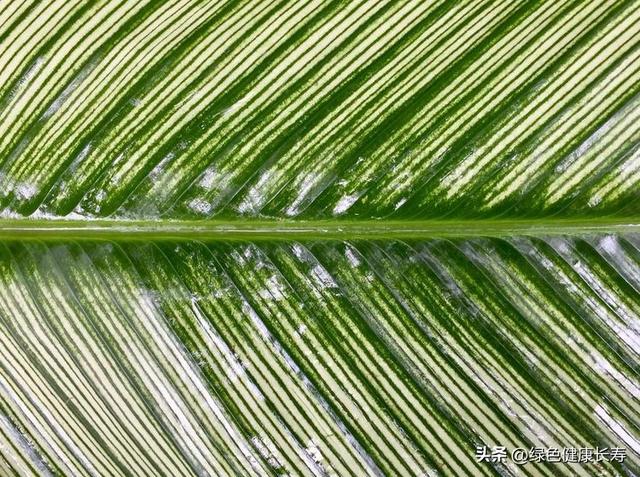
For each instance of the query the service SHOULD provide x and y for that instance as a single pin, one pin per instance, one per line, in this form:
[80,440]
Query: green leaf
[318,238]
[317,358]
[313,111]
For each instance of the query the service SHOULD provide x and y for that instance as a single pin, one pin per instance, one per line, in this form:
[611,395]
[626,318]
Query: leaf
[317,358]
[318,238]
[346,109]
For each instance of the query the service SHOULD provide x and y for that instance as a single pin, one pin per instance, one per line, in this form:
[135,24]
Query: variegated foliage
[316,109]
[319,238]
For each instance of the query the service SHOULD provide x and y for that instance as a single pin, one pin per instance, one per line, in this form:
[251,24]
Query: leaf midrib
[270,229]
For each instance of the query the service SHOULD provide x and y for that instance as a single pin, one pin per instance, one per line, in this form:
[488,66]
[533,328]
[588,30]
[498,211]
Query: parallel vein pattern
[319,109]
[317,358]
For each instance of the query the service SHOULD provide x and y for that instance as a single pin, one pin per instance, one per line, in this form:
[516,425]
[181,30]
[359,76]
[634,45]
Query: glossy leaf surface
[318,238]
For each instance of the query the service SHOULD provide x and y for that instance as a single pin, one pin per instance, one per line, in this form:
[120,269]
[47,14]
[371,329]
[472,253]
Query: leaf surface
[318,238]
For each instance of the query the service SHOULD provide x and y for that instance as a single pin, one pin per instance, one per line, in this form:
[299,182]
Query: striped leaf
[319,109]
[317,358]
[326,238]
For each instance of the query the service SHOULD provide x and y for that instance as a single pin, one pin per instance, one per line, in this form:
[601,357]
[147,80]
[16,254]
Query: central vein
[259,229]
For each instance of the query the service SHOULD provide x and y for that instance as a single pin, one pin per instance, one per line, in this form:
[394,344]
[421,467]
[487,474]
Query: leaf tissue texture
[185,109]
[318,238]
[317,358]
